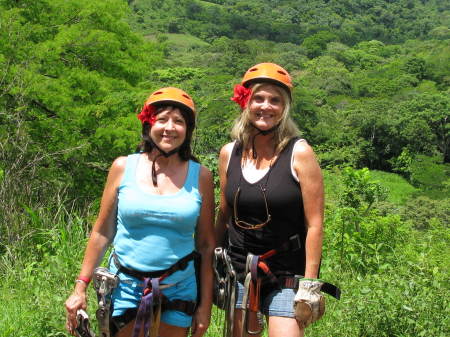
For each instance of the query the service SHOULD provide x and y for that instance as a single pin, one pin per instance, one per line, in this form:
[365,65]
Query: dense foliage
[371,95]
[312,23]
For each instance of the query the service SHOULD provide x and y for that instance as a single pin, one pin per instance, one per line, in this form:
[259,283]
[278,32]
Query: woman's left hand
[200,321]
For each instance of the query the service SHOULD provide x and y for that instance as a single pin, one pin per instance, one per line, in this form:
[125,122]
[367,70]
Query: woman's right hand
[75,302]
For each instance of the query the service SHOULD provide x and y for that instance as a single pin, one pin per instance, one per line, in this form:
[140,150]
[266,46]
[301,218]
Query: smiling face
[266,107]
[169,129]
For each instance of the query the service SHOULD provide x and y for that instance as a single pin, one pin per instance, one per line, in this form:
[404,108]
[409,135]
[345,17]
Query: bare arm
[101,236]
[311,183]
[205,243]
[224,211]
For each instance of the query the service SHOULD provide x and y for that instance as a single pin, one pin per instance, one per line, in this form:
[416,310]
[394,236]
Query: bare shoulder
[226,150]
[116,173]
[305,163]
[303,151]
[118,165]
[205,173]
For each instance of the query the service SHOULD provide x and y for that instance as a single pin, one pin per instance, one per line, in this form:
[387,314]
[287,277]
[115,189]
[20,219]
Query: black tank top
[285,206]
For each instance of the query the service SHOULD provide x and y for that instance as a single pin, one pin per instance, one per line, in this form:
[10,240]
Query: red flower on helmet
[148,114]
[241,95]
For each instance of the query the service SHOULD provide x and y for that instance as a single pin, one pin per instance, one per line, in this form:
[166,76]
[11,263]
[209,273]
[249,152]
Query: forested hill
[371,79]
[371,95]
[372,76]
[347,21]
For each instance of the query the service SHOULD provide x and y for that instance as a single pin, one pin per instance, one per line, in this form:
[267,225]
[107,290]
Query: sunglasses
[243,224]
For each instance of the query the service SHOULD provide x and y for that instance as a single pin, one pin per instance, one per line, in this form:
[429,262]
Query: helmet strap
[260,132]
[161,153]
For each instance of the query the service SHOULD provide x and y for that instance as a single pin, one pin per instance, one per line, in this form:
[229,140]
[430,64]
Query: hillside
[349,21]
[371,95]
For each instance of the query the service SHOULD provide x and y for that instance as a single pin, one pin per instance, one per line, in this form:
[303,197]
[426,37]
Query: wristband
[84,279]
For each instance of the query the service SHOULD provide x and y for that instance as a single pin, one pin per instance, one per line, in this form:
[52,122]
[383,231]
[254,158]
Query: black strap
[260,132]
[291,282]
[187,307]
[118,322]
[291,245]
[331,289]
[181,264]
[161,153]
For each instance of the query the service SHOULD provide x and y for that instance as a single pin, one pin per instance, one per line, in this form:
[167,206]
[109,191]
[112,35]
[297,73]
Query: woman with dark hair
[271,205]
[157,212]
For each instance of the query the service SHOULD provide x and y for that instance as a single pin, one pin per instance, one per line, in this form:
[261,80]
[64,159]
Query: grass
[395,299]
[399,189]
[395,302]
[209,4]
[181,41]
[332,185]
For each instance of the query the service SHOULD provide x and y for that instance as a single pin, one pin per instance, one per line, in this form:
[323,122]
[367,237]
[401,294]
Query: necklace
[263,190]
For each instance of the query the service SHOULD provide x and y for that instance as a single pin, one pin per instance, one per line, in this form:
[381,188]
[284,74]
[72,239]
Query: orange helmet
[267,71]
[171,95]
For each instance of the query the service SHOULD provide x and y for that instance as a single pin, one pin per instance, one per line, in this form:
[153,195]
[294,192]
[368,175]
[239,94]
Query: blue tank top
[155,231]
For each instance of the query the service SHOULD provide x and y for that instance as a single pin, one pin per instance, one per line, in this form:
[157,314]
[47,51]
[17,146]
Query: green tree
[317,43]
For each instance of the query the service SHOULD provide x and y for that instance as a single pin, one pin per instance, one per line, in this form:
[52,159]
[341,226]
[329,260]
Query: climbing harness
[225,288]
[104,284]
[251,298]
[153,302]
[252,284]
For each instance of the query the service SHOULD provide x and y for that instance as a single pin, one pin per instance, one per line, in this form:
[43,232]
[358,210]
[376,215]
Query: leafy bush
[431,176]
[422,212]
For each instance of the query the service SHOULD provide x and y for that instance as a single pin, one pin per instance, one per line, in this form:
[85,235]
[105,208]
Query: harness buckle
[251,298]
[224,288]
[104,284]
[225,275]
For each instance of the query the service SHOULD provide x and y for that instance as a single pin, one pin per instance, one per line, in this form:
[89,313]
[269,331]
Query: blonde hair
[286,130]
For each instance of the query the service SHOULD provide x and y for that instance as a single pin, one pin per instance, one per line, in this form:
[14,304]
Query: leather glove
[309,303]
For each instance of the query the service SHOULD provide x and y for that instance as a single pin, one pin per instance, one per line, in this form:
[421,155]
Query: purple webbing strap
[254,267]
[145,312]
[156,291]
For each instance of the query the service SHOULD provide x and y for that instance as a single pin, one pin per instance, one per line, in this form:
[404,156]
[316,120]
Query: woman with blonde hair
[271,206]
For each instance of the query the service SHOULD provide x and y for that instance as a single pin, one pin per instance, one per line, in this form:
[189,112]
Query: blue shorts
[129,292]
[279,302]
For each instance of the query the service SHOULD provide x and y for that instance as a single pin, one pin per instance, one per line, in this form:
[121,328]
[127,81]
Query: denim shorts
[279,302]
[129,292]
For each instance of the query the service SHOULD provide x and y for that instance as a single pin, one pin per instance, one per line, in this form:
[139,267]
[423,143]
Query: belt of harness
[149,311]
[225,288]
[104,284]
[252,284]
[119,322]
